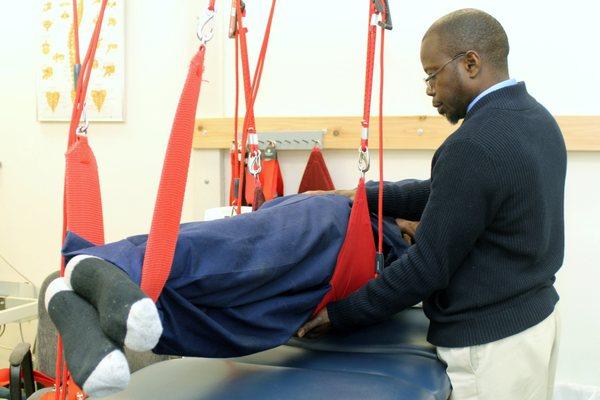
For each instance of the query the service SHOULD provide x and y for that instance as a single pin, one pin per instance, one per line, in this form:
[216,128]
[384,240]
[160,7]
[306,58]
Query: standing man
[491,236]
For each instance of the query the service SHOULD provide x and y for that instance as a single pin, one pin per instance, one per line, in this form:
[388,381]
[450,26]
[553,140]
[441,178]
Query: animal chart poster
[57,54]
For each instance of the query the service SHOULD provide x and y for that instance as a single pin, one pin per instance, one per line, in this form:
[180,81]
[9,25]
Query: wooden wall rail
[582,133]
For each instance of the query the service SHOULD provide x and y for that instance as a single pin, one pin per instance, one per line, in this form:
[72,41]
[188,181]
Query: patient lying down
[237,286]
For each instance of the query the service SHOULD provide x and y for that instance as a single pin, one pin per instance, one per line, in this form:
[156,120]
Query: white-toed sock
[96,363]
[127,315]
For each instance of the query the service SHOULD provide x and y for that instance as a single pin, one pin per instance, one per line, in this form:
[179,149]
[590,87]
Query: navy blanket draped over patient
[243,284]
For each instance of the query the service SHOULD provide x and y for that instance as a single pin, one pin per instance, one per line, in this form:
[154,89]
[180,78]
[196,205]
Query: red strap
[243,48]
[270,183]
[371,42]
[371,39]
[316,175]
[82,190]
[82,204]
[251,91]
[355,264]
[249,186]
[85,74]
[235,160]
[380,193]
[169,201]
[272,180]
[259,197]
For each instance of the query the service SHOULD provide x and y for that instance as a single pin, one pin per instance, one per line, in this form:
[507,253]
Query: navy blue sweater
[491,237]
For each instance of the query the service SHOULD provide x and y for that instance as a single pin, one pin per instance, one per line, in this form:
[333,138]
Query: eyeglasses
[430,80]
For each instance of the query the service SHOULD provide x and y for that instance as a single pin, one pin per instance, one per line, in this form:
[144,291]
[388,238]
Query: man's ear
[472,63]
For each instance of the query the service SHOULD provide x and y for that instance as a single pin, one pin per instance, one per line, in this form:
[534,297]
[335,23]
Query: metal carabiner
[381,9]
[83,125]
[364,160]
[206,28]
[254,164]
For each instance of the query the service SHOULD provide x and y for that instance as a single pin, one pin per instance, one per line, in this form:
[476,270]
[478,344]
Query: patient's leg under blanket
[237,286]
[242,284]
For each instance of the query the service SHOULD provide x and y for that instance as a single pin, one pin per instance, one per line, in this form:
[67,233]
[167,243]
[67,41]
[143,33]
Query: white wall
[314,67]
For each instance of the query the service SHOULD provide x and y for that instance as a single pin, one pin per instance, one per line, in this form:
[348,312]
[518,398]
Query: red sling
[316,175]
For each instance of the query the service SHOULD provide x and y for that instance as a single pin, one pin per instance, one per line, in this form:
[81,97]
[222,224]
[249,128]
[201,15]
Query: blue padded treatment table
[391,360]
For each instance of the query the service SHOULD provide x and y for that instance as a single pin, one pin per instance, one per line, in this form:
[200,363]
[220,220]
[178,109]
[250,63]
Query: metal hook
[384,7]
[83,125]
[254,163]
[206,29]
[364,160]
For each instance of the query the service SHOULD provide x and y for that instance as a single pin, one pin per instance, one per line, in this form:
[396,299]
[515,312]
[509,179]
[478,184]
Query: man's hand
[349,193]
[316,326]
[408,229]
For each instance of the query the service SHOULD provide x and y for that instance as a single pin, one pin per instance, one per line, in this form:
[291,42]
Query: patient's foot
[127,316]
[96,363]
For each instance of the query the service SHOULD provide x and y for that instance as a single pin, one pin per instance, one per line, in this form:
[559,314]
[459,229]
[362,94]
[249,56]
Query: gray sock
[96,363]
[126,314]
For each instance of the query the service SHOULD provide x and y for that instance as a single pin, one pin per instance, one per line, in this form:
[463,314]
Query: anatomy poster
[57,55]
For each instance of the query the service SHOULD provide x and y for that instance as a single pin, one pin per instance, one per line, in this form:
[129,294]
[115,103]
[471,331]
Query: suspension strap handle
[94,226]
[251,92]
[164,230]
[363,151]
[379,16]
[387,24]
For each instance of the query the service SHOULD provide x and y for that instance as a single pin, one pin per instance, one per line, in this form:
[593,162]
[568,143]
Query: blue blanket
[244,284]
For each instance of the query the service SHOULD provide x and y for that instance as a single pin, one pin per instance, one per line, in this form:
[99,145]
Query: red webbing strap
[270,181]
[316,175]
[82,191]
[85,74]
[162,239]
[355,264]
[169,201]
[370,61]
[371,39]
[82,205]
[262,55]
[243,47]
[235,151]
[249,187]
[259,197]
[380,193]
[250,90]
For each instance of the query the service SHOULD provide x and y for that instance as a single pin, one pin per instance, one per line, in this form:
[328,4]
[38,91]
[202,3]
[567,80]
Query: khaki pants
[519,367]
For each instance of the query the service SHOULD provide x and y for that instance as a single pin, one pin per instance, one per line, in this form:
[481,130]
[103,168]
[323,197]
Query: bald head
[471,29]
